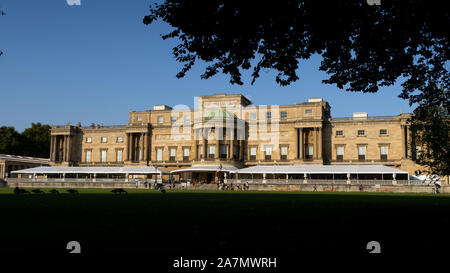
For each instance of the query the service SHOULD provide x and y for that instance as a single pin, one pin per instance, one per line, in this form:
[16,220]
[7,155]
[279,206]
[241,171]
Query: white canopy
[103,170]
[320,169]
[207,168]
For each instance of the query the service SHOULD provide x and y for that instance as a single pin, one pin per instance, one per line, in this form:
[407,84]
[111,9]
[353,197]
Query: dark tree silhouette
[363,46]
[34,141]
[431,125]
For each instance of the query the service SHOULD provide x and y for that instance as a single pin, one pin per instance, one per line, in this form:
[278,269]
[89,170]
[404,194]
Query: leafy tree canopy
[34,141]
[363,46]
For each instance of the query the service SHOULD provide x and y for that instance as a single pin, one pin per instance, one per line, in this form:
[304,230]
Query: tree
[431,127]
[10,141]
[363,46]
[36,140]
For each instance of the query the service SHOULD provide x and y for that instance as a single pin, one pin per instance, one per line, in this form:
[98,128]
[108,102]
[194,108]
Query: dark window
[268,157]
[383,132]
[283,157]
[186,158]
[340,157]
[383,157]
[361,133]
[362,157]
[339,133]
[308,111]
[283,115]
[253,157]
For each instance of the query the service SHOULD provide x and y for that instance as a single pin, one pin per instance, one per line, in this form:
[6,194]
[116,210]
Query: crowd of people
[221,185]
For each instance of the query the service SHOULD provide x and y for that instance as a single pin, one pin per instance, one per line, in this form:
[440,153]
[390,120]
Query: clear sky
[95,62]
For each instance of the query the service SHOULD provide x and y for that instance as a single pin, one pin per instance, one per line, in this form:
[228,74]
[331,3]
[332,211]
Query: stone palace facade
[227,129]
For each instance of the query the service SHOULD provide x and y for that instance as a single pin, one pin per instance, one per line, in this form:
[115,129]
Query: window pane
[172,151]
[384,150]
[268,150]
[253,151]
[186,152]
[103,156]
[361,150]
[283,150]
[340,150]
[283,115]
[159,154]
[173,119]
[308,111]
[212,149]
[88,156]
[268,115]
[160,119]
[119,155]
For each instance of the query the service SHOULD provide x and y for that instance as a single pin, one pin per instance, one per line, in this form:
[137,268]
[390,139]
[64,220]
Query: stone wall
[257,187]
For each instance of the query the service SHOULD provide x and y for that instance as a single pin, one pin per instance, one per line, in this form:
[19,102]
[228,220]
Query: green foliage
[431,127]
[34,141]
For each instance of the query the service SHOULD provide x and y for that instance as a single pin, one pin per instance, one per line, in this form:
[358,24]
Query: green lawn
[213,222]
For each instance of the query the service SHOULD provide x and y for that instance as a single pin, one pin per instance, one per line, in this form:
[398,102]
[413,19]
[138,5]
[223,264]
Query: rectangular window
[104,139]
[173,119]
[252,153]
[120,139]
[160,119]
[339,152]
[159,153]
[103,156]
[384,152]
[212,151]
[186,154]
[223,151]
[139,118]
[339,133]
[173,152]
[383,132]
[119,155]
[309,152]
[361,133]
[268,153]
[308,111]
[283,115]
[361,152]
[283,153]
[187,119]
[88,140]
[268,115]
[200,151]
[253,116]
[88,156]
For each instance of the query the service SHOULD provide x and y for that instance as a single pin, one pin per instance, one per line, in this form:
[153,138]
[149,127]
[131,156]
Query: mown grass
[253,222]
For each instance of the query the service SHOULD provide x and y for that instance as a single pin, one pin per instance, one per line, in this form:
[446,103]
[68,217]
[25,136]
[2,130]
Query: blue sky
[98,61]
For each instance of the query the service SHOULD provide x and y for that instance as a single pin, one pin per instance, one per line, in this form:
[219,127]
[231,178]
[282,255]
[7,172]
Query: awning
[208,168]
[88,170]
[320,169]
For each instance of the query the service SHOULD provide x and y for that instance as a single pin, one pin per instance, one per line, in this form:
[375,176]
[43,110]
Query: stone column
[130,146]
[217,155]
[145,149]
[141,152]
[232,149]
[205,151]
[320,143]
[65,149]
[52,143]
[402,129]
[315,144]
[301,143]
[69,147]
[241,150]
